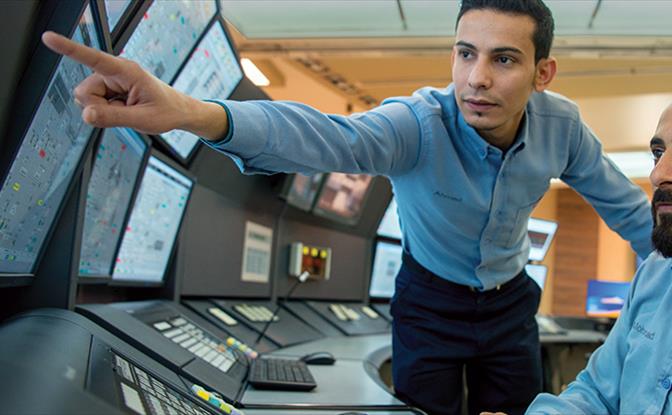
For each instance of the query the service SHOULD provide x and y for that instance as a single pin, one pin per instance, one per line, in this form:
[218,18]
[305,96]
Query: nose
[480,76]
[661,175]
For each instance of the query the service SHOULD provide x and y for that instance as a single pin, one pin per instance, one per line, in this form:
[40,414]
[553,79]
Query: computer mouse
[319,358]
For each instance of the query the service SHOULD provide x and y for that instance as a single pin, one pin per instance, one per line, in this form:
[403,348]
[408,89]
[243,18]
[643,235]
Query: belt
[429,276]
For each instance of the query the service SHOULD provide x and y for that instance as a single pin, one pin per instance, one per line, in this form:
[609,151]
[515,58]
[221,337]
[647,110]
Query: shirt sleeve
[269,137]
[621,203]
[596,388]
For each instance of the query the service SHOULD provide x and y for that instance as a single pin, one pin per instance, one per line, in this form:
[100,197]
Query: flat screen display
[389,226]
[152,229]
[212,72]
[303,190]
[537,273]
[115,173]
[166,34]
[541,234]
[386,265]
[45,163]
[342,197]
[606,298]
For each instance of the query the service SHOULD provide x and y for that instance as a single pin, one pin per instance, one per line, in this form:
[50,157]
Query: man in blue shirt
[631,373]
[468,163]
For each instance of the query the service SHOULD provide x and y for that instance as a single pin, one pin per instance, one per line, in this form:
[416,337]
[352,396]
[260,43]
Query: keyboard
[547,326]
[281,374]
[198,342]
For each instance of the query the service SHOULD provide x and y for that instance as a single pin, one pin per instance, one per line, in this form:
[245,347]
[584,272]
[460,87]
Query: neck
[503,136]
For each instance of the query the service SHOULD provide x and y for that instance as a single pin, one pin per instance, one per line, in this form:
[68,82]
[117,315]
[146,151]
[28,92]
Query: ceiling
[368,50]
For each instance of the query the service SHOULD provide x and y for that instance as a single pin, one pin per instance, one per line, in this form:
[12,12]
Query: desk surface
[344,383]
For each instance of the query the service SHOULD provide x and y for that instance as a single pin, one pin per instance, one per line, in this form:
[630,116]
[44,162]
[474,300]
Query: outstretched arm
[121,93]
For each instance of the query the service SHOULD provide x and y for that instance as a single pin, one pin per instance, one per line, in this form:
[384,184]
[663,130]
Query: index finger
[100,62]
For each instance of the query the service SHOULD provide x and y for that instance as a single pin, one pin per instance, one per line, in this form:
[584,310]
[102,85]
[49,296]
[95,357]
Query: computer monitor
[115,10]
[166,33]
[386,265]
[154,224]
[389,226]
[300,190]
[342,197]
[212,71]
[606,298]
[116,170]
[541,234]
[537,273]
[44,164]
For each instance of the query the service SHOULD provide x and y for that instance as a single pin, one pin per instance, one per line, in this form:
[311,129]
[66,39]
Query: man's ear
[545,73]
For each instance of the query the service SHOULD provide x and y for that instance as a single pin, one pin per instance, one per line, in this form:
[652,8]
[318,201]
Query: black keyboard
[281,374]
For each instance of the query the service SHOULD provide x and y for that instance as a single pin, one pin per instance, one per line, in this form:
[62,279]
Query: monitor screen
[45,163]
[386,265]
[116,170]
[537,273]
[212,72]
[114,10]
[166,34]
[389,226]
[303,190]
[541,234]
[606,298]
[153,226]
[342,197]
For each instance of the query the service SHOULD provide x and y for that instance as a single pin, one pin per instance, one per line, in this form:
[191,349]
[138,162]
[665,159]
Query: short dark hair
[536,9]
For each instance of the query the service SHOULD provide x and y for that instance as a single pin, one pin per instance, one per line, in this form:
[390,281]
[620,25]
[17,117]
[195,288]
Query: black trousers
[442,330]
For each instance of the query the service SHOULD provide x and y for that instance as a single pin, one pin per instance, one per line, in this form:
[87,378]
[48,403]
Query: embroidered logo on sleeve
[643,331]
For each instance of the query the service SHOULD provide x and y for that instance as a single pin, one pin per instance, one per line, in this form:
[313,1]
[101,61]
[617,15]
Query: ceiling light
[253,73]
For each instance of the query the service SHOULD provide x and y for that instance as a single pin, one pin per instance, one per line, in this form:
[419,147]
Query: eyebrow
[501,49]
[656,141]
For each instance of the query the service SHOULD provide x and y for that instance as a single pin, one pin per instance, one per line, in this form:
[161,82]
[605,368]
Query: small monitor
[342,197]
[50,151]
[300,190]
[389,226]
[115,9]
[386,265]
[212,72]
[606,298]
[537,273]
[541,234]
[166,33]
[116,170]
[153,227]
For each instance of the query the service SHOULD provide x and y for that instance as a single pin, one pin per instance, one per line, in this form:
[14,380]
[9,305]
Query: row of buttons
[193,339]
[257,314]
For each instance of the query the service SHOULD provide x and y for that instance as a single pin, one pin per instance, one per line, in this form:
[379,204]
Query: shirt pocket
[519,229]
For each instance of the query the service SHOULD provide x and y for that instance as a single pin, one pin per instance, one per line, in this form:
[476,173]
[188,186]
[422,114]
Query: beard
[662,224]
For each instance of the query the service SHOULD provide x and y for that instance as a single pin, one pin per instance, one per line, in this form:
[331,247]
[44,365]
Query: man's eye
[465,54]
[657,153]
[504,60]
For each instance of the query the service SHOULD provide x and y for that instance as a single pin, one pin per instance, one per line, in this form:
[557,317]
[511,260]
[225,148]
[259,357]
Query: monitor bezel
[171,256]
[17,131]
[98,279]
[125,18]
[378,241]
[547,243]
[163,143]
[317,211]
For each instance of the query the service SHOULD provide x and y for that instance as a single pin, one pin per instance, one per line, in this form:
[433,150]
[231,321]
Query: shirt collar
[478,143]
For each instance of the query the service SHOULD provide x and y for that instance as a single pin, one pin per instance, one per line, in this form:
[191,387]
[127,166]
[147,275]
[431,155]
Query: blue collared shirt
[463,204]
[631,373]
